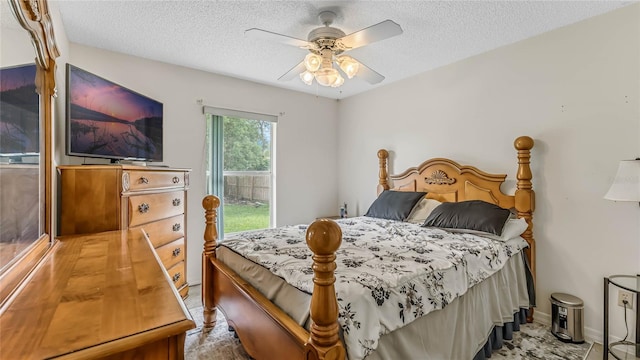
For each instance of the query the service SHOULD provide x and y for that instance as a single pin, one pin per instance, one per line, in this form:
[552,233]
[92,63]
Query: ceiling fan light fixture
[349,65]
[312,62]
[327,76]
[326,44]
[306,77]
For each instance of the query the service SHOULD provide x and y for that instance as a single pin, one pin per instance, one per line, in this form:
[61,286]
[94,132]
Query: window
[240,165]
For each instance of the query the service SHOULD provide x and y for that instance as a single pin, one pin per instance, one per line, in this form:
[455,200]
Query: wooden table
[94,296]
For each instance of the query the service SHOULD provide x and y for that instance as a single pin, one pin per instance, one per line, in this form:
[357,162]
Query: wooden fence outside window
[251,188]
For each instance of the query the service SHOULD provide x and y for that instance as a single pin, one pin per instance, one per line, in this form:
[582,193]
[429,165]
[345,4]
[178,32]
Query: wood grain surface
[94,296]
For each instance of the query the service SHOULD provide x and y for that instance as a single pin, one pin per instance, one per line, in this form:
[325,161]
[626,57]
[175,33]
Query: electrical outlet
[625,296]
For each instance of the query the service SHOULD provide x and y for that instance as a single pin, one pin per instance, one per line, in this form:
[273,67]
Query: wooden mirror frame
[33,16]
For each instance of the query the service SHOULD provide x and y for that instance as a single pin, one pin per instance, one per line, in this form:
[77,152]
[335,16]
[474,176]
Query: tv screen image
[19,117]
[107,120]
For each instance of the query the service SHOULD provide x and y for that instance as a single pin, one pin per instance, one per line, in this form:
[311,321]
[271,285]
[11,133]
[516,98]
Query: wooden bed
[267,332]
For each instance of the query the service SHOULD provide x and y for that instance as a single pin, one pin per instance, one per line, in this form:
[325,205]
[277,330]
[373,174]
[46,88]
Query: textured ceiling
[209,35]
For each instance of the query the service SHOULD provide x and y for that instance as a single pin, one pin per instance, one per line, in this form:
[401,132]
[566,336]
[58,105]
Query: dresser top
[90,297]
[120,167]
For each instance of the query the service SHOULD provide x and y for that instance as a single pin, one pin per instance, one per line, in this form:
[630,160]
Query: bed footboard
[265,331]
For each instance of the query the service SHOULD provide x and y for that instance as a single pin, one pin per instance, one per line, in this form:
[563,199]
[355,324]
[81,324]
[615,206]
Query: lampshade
[307,77]
[348,65]
[626,184]
[312,62]
[339,81]
[327,76]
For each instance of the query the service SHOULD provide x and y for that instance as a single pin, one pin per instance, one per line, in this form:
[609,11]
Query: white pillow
[512,229]
[421,211]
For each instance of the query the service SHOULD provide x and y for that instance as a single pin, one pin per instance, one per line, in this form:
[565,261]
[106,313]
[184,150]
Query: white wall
[15,46]
[306,149]
[575,91]
[58,129]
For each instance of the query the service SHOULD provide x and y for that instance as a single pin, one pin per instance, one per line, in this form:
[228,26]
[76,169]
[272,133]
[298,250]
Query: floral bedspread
[388,272]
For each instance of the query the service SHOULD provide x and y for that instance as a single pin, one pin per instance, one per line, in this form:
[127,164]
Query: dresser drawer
[143,180]
[151,207]
[176,274]
[172,253]
[163,231]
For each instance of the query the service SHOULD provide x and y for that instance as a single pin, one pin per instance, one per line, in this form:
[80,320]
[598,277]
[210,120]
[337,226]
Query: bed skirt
[501,333]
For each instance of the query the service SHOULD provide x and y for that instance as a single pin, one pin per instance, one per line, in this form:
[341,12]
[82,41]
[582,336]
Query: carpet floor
[533,341]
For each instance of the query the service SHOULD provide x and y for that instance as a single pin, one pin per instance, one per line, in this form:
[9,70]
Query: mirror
[27,68]
[21,208]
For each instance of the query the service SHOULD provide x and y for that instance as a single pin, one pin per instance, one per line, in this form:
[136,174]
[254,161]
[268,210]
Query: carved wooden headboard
[446,180]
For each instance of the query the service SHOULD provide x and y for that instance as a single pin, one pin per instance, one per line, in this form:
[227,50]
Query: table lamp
[625,187]
[626,183]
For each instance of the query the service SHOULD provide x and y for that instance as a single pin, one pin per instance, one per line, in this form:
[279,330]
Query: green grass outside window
[239,217]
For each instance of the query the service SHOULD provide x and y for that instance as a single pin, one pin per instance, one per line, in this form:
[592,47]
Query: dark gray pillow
[394,205]
[473,215]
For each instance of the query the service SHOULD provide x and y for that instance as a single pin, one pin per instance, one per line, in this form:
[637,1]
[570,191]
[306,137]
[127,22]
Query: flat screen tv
[19,111]
[106,120]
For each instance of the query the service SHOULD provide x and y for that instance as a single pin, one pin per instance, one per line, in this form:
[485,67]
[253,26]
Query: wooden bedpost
[525,200]
[210,204]
[323,238]
[383,184]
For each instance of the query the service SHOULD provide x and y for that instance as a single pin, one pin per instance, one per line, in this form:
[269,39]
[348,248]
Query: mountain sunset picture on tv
[107,120]
[19,111]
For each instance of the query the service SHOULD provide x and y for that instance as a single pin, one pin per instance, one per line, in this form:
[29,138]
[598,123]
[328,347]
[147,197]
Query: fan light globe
[327,76]
[349,65]
[339,81]
[307,77]
[312,62]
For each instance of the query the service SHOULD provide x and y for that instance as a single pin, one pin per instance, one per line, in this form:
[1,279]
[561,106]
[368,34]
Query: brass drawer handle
[176,227]
[176,202]
[176,277]
[143,208]
[175,179]
[144,180]
[176,252]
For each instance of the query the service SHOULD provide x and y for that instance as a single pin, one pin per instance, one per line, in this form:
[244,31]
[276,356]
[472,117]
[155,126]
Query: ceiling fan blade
[271,36]
[369,75]
[295,71]
[373,33]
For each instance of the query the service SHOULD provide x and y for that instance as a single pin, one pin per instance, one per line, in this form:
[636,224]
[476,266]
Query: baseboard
[542,318]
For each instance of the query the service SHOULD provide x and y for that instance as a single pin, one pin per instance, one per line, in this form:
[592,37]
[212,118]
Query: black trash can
[567,317]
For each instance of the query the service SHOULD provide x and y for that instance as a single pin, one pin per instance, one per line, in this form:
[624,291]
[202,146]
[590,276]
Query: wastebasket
[567,317]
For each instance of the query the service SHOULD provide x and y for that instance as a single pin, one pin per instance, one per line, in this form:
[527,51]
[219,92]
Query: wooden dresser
[19,207]
[96,296]
[96,198]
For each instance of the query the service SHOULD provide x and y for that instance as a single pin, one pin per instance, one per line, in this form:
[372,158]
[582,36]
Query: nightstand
[630,283]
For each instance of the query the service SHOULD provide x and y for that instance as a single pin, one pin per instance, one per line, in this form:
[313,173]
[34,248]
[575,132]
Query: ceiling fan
[326,45]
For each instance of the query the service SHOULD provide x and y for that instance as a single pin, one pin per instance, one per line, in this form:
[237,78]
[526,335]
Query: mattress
[457,330]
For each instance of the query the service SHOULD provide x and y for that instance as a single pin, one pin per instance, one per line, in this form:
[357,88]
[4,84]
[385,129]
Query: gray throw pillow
[473,215]
[394,205]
